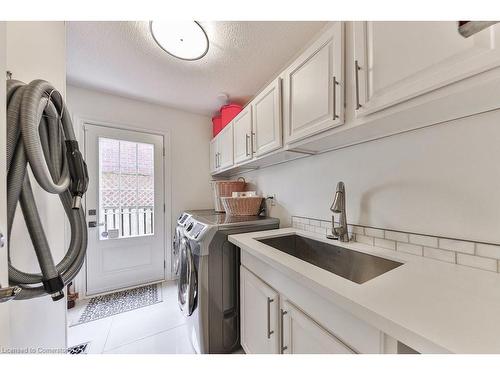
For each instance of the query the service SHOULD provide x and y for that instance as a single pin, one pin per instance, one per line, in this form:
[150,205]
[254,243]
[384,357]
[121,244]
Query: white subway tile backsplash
[356,229]
[310,228]
[418,239]
[396,236]
[364,239]
[467,253]
[374,232]
[386,244]
[456,245]
[314,222]
[488,251]
[409,248]
[320,230]
[326,224]
[487,264]
[438,254]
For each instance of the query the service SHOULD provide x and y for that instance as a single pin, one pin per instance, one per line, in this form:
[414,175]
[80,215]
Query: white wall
[443,180]
[37,50]
[189,140]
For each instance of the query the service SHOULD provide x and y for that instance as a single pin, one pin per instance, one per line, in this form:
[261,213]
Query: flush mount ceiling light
[185,40]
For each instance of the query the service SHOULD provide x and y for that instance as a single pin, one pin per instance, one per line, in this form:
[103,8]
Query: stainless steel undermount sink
[349,264]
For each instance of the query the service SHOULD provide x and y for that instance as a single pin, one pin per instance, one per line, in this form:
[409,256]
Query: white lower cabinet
[302,335]
[271,324]
[259,315]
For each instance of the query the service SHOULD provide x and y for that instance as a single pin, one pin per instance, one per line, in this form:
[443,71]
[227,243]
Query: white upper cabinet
[302,335]
[266,111]
[214,155]
[397,61]
[225,147]
[242,135]
[313,87]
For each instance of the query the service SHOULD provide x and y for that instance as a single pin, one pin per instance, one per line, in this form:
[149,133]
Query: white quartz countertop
[429,305]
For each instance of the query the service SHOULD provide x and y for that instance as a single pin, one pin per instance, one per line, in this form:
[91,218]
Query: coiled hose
[40,133]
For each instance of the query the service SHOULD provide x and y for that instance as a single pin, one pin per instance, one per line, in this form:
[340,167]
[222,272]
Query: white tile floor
[155,329]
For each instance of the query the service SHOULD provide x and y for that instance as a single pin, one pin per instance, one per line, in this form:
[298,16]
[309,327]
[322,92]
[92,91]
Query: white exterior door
[259,315]
[302,335]
[125,208]
[266,108]
[397,61]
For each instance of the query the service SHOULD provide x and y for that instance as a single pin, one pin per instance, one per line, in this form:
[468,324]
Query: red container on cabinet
[228,112]
[216,125]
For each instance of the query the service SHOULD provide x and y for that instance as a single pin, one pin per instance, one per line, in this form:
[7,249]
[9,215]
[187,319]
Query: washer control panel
[194,229]
[183,218]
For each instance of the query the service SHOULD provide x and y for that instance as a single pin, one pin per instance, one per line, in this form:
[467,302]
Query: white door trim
[79,123]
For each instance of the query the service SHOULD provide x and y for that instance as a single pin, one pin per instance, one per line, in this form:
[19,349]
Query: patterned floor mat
[116,303]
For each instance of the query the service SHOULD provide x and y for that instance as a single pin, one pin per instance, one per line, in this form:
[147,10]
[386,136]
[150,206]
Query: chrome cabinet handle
[269,332]
[254,142]
[282,346]
[247,140]
[357,68]
[335,83]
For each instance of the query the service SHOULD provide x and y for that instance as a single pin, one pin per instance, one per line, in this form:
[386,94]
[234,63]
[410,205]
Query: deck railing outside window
[130,221]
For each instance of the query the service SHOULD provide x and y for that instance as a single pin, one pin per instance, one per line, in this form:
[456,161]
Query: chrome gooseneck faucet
[338,207]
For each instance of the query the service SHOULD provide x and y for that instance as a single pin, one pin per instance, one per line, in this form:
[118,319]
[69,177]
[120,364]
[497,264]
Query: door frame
[80,280]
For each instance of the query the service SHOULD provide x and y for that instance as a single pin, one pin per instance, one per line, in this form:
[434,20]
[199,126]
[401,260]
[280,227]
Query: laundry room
[217,186]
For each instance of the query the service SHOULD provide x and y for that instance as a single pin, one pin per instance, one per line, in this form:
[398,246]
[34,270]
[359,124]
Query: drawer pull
[283,347]
[269,332]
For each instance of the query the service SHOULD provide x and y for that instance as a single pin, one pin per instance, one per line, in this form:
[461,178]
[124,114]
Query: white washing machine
[208,286]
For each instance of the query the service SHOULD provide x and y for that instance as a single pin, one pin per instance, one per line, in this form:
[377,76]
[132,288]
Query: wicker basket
[226,189]
[242,206]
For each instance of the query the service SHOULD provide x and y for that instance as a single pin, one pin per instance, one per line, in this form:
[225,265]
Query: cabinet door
[259,315]
[313,87]
[397,61]
[213,155]
[225,146]
[242,131]
[266,109]
[302,335]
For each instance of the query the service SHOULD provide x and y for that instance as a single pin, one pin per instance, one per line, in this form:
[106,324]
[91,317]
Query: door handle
[269,332]
[93,224]
[282,346]
[335,83]
[247,139]
[254,142]
[357,68]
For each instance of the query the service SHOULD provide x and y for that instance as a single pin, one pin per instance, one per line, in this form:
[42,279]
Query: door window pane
[126,188]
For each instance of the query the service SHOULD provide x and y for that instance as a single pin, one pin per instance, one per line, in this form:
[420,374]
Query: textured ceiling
[122,58]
